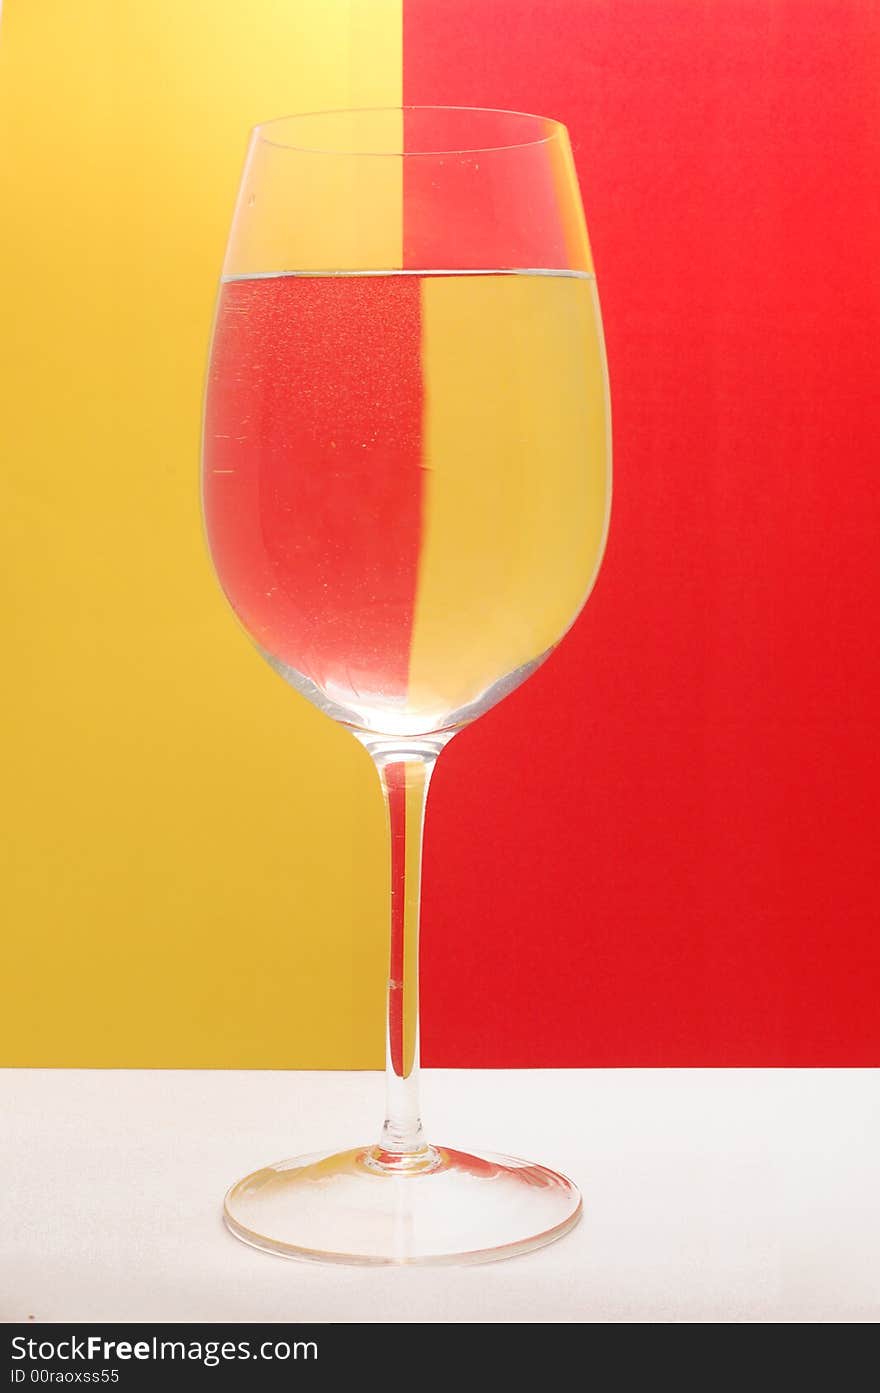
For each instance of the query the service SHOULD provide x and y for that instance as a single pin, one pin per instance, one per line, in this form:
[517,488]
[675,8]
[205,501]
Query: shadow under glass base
[457,1207]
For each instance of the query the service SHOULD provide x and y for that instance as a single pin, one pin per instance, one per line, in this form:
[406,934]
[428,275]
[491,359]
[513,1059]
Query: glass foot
[352,1206]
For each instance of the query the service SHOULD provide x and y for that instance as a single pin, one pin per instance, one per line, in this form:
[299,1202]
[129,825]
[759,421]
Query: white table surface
[710,1195]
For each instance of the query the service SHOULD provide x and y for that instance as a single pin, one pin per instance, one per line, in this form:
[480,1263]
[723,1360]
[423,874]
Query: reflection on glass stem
[405,773]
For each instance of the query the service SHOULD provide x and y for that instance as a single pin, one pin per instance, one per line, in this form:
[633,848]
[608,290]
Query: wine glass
[406,481]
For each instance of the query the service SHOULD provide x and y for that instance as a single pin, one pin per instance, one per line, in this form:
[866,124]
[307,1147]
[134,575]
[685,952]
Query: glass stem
[405,772]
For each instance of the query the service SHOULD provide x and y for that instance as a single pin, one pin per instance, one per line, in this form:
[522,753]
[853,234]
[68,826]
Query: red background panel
[663,849]
[471,213]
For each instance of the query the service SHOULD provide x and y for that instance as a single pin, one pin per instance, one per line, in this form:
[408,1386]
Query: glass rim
[552,129]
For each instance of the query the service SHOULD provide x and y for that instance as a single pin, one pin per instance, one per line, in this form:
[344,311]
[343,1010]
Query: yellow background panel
[194,859]
[336,214]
